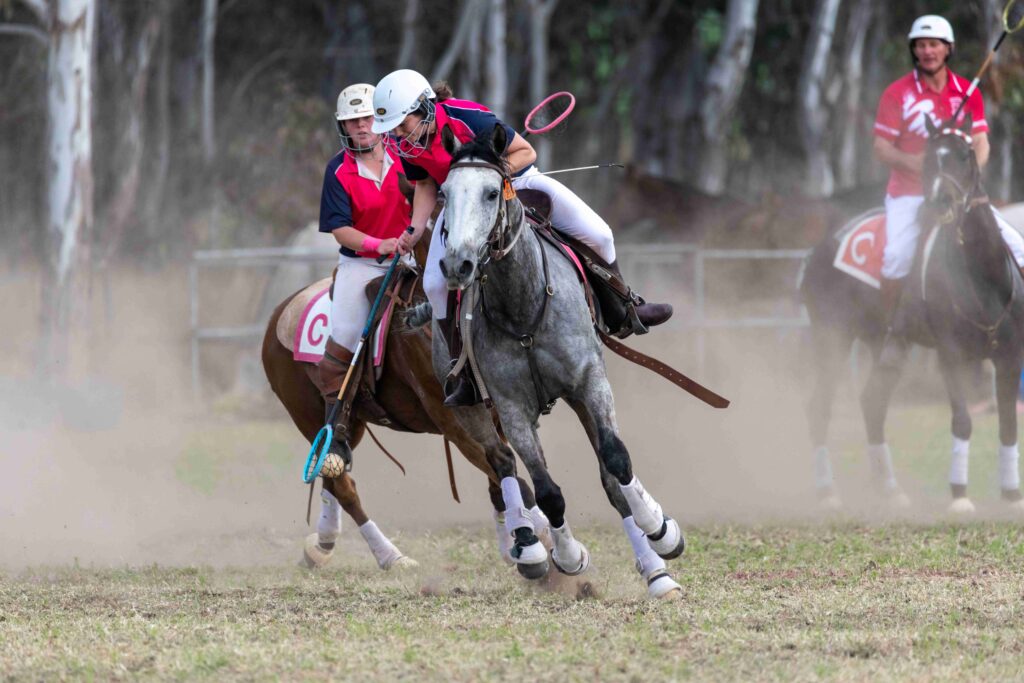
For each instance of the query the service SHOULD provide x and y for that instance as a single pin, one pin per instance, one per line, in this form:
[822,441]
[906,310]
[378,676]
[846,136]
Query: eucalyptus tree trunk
[207,119]
[1003,127]
[70,26]
[467,17]
[722,89]
[813,113]
[497,62]
[540,24]
[407,51]
[851,140]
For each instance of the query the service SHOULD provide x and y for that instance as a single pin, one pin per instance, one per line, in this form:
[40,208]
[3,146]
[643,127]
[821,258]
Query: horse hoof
[962,506]
[534,571]
[583,566]
[534,553]
[401,562]
[670,544]
[313,556]
[899,500]
[661,586]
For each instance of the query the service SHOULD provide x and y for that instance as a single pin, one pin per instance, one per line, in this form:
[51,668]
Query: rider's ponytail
[443,91]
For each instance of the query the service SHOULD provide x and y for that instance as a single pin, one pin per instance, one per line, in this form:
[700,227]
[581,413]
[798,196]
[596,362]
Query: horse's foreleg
[953,372]
[831,348]
[1007,388]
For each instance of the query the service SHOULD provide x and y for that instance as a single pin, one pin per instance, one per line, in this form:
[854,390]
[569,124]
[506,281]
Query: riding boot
[649,314]
[459,390]
[331,369]
[895,344]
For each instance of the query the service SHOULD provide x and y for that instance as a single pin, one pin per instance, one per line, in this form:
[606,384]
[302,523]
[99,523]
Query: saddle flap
[861,245]
[537,200]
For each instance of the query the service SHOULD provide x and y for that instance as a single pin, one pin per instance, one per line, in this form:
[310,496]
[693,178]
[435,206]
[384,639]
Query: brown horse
[410,394]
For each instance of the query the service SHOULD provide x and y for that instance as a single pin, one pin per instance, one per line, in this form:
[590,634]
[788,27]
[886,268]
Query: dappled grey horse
[532,342]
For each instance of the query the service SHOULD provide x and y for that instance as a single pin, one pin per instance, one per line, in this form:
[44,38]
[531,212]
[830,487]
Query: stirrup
[460,391]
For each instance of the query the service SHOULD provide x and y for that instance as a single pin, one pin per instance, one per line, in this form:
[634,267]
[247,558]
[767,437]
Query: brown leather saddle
[612,302]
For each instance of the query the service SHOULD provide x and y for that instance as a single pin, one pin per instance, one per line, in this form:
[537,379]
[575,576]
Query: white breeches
[569,214]
[349,307]
[902,232]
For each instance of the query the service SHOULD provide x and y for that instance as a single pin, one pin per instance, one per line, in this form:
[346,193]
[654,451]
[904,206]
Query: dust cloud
[98,471]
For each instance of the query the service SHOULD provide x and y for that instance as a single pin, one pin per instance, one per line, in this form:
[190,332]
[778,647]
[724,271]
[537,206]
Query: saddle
[612,302]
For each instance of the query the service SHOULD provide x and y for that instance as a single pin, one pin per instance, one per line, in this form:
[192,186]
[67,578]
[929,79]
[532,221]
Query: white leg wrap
[1009,474]
[822,468]
[647,561]
[880,460]
[646,511]
[504,538]
[958,462]
[569,554]
[328,526]
[540,520]
[516,514]
[386,554]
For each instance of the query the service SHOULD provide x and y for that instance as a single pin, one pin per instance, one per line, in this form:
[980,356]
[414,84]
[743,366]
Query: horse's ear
[967,124]
[450,143]
[930,126]
[499,140]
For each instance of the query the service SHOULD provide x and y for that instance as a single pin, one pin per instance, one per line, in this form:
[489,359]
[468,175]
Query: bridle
[965,200]
[505,232]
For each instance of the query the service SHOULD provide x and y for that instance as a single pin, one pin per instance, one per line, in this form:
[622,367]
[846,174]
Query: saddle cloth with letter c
[861,246]
[305,324]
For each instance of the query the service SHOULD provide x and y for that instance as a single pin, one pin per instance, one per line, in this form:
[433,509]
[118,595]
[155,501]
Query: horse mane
[480,148]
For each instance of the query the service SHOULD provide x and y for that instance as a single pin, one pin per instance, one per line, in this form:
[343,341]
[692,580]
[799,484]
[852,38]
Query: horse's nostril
[465,269]
[444,268]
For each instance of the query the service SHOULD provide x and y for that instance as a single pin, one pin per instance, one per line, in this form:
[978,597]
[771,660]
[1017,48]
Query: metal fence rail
[633,259]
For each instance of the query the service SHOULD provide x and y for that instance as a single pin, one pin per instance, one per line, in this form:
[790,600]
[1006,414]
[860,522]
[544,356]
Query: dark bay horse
[412,397]
[533,341]
[965,298]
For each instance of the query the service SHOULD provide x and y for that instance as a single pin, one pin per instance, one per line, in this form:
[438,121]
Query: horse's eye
[492,195]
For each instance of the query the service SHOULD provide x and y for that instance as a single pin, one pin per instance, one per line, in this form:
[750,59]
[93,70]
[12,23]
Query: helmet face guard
[408,149]
[349,144]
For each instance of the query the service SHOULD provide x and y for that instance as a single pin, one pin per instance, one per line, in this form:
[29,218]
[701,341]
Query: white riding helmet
[354,102]
[931,26]
[399,94]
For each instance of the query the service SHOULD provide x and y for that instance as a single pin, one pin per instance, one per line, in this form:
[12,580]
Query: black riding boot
[649,314]
[895,344]
[459,390]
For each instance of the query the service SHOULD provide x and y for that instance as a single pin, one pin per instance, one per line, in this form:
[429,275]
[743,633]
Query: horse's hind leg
[953,373]
[541,525]
[1007,387]
[653,536]
[831,349]
[874,402]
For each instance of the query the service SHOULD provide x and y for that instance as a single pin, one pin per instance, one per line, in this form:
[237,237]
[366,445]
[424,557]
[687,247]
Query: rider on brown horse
[930,90]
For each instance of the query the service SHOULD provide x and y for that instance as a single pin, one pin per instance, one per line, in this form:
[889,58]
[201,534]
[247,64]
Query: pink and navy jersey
[901,114]
[349,199]
[466,120]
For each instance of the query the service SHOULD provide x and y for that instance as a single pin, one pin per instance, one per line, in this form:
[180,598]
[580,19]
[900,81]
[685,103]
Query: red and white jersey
[901,114]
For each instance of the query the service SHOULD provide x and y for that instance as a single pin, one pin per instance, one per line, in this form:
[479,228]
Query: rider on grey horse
[406,107]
